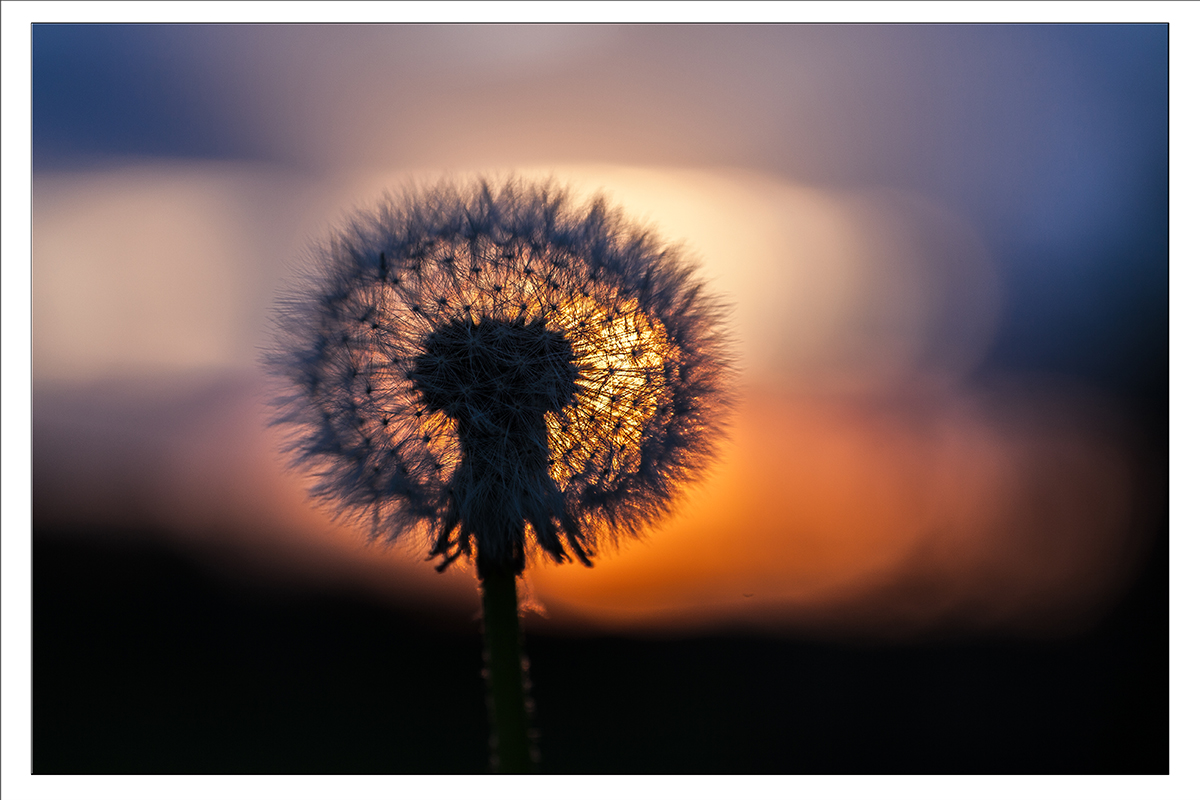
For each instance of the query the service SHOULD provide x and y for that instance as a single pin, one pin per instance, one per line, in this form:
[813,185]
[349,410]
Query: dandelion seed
[593,338]
[552,377]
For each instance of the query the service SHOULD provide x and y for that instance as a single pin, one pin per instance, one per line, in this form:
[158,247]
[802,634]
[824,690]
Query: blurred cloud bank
[172,267]
[944,249]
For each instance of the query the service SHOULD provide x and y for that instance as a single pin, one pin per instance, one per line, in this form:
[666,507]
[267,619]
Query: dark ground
[145,661]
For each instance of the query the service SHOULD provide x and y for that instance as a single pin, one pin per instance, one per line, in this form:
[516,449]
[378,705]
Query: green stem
[507,698]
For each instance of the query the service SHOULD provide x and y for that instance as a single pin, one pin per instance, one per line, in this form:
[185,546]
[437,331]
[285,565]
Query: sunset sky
[944,249]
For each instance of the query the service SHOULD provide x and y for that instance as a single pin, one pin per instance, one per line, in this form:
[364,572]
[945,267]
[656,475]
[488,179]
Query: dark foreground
[147,662]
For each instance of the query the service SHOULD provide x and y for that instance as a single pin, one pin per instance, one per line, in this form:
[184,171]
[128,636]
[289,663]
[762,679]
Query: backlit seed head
[502,369]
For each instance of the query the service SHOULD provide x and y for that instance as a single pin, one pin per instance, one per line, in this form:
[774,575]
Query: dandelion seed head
[501,369]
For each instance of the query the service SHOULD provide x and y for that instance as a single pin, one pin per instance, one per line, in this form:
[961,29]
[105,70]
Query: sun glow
[620,354]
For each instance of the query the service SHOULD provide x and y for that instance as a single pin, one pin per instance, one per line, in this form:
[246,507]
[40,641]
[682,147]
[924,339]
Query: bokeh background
[937,537]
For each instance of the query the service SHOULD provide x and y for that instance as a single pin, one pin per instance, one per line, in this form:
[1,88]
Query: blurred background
[936,540]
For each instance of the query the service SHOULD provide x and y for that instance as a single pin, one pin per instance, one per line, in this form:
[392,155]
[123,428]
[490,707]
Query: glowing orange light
[620,357]
[866,516]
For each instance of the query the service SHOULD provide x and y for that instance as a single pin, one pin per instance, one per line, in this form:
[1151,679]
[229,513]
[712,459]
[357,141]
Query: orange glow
[621,371]
[1012,509]
[865,517]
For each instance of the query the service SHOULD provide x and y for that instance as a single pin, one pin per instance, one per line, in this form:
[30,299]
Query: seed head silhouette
[502,370]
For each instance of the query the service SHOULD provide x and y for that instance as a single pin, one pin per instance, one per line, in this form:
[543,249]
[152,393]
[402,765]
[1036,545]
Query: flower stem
[507,696]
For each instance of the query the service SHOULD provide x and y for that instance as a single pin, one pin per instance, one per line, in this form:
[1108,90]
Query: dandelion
[506,374]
